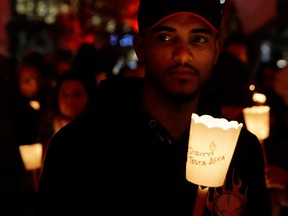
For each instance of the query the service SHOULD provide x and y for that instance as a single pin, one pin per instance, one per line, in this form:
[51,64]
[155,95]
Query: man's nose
[182,53]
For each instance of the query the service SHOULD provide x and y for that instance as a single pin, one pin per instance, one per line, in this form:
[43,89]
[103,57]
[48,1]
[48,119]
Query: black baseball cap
[151,12]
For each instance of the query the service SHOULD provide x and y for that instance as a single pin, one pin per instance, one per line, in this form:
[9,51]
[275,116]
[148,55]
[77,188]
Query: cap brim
[194,14]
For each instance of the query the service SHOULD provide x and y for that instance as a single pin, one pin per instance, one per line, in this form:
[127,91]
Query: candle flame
[259,98]
[212,147]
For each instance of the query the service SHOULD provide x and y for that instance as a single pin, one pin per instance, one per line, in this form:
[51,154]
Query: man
[129,157]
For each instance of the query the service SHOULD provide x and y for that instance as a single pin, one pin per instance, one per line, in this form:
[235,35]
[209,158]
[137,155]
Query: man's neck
[174,117]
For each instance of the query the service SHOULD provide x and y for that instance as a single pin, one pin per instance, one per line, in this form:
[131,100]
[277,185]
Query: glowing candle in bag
[31,155]
[257,120]
[212,142]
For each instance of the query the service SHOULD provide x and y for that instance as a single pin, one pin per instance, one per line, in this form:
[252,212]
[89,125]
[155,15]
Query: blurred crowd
[42,93]
[39,95]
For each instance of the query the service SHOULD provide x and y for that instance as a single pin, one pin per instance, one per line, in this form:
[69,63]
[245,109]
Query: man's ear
[138,43]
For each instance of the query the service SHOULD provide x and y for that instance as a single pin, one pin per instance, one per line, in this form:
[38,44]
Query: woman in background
[73,96]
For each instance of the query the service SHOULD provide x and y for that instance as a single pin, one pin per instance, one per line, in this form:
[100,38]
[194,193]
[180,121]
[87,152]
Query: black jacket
[120,161]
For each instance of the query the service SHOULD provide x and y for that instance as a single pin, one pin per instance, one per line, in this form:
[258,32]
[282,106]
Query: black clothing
[120,160]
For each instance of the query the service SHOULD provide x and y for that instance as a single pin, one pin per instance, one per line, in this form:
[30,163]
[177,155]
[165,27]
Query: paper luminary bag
[257,120]
[212,142]
[31,155]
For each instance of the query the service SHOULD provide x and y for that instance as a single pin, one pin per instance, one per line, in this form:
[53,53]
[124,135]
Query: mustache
[183,65]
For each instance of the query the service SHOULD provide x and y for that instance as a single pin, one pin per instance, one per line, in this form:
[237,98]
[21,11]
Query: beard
[177,98]
[181,98]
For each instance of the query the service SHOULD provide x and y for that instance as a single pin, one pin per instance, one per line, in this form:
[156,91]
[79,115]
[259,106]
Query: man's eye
[199,39]
[164,37]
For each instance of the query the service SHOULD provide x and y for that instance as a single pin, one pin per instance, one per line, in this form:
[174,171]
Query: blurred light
[53,9]
[133,9]
[131,59]
[89,38]
[113,39]
[133,64]
[64,9]
[41,9]
[96,20]
[49,19]
[127,40]
[111,26]
[119,64]
[30,6]
[252,87]
[265,49]
[44,10]
[281,63]
[131,56]
[259,98]
[34,104]
[20,8]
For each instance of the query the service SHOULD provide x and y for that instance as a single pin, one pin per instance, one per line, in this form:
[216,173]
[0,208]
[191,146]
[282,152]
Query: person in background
[12,170]
[31,100]
[30,104]
[277,182]
[276,145]
[129,156]
[73,96]
[62,61]
[89,61]
[231,77]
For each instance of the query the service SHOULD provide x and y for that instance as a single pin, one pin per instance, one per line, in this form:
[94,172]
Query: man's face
[179,54]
